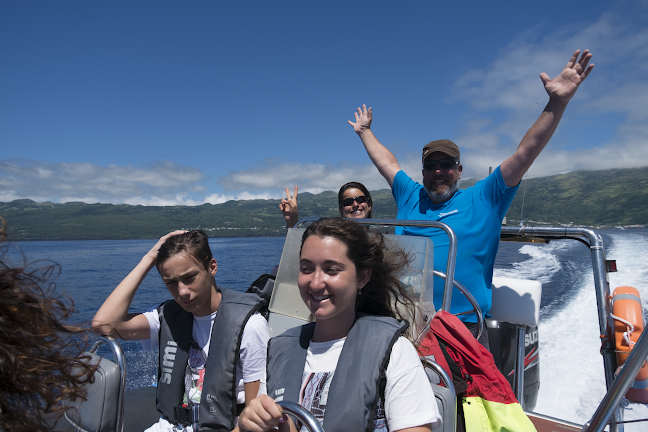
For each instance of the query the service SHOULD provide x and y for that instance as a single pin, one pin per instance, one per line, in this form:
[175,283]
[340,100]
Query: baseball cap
[444,145]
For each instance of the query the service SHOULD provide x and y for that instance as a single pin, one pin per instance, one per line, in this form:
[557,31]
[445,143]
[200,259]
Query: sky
[185,103]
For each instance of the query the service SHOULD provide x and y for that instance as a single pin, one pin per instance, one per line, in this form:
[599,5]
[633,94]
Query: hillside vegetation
[611,197]
[28,220]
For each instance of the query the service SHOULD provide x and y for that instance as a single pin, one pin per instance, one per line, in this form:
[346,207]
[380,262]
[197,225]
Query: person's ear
[213,267]
[363,278]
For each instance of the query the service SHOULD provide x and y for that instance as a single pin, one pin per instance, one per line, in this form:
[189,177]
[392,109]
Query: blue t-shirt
[475,214]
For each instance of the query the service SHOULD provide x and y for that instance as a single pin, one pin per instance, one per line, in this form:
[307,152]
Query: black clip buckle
[182,415]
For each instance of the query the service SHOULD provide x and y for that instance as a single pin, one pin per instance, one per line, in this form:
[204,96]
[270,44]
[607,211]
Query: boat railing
[619,387]
[601,282]
[616,388]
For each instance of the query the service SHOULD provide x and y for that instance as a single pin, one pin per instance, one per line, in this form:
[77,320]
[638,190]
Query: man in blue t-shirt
[476,213]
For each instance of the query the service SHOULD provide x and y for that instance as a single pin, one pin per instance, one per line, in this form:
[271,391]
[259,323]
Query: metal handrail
[443,375]
[303,415]
[471,299]
[601,286]
[601,283]
[118,353]
[620,386]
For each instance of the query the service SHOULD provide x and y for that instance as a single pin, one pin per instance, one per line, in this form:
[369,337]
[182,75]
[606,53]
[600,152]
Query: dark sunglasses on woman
[349,201]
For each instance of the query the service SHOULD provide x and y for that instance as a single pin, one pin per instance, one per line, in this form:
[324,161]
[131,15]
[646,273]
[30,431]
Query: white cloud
[8,196]
[276,174]
[221,198]
[510,85]
[161,183]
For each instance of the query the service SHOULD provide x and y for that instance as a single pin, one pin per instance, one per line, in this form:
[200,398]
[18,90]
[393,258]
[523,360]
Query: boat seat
[102,411]
[445,396]
[516,301]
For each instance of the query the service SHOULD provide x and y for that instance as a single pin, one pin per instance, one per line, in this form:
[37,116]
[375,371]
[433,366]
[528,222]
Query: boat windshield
[418,278]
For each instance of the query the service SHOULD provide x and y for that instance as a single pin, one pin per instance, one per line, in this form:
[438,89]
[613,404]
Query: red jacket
[489,403]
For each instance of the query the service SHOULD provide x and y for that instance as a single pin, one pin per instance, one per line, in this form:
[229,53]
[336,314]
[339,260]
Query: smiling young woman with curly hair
[352,367]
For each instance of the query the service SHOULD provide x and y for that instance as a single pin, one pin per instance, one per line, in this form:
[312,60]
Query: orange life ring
[628,325]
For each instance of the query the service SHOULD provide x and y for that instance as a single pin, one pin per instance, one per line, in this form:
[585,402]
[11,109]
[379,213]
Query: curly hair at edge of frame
[384,294]
[41,357]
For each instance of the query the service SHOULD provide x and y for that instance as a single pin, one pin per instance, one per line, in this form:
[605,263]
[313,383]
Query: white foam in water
[542,265]
[572,383]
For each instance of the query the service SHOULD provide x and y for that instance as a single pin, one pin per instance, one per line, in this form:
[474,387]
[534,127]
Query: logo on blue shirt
[449,213]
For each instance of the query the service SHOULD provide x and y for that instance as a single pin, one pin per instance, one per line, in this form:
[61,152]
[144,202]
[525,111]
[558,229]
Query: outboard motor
[503,337]
[513,335]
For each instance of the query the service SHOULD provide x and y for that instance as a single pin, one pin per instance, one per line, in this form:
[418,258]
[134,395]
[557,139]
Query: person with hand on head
[354,202]
[227,368]
[351,367]
[476,213]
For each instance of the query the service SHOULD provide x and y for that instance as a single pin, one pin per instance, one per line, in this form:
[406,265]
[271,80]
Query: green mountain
[611,197]
[28,220]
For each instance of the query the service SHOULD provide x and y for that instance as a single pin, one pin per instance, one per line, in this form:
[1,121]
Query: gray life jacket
[359,378]
[218,401]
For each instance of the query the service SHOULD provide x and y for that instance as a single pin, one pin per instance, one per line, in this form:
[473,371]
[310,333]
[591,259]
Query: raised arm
[288,207]
[112,318]
[382,158]
[560,90]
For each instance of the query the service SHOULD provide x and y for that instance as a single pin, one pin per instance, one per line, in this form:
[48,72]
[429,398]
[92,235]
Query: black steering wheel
[303,415]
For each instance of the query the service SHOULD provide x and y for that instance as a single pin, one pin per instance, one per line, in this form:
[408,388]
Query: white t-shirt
[409,398]
[250,368]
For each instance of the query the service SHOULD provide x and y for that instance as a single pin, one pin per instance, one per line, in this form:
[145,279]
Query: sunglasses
[349,201]
[447,163]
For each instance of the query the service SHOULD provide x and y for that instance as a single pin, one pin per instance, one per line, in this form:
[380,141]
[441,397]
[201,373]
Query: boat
[514,336]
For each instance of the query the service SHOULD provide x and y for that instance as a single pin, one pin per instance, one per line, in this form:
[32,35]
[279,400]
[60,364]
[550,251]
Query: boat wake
[542,266]
[572,382]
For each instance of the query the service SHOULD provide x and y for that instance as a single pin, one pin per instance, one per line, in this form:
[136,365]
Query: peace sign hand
[288,207]
[564,86]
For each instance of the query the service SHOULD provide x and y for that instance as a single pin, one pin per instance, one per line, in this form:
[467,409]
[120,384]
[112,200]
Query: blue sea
[572,382]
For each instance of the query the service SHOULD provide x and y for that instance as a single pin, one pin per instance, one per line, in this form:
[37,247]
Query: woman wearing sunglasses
[354,202]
